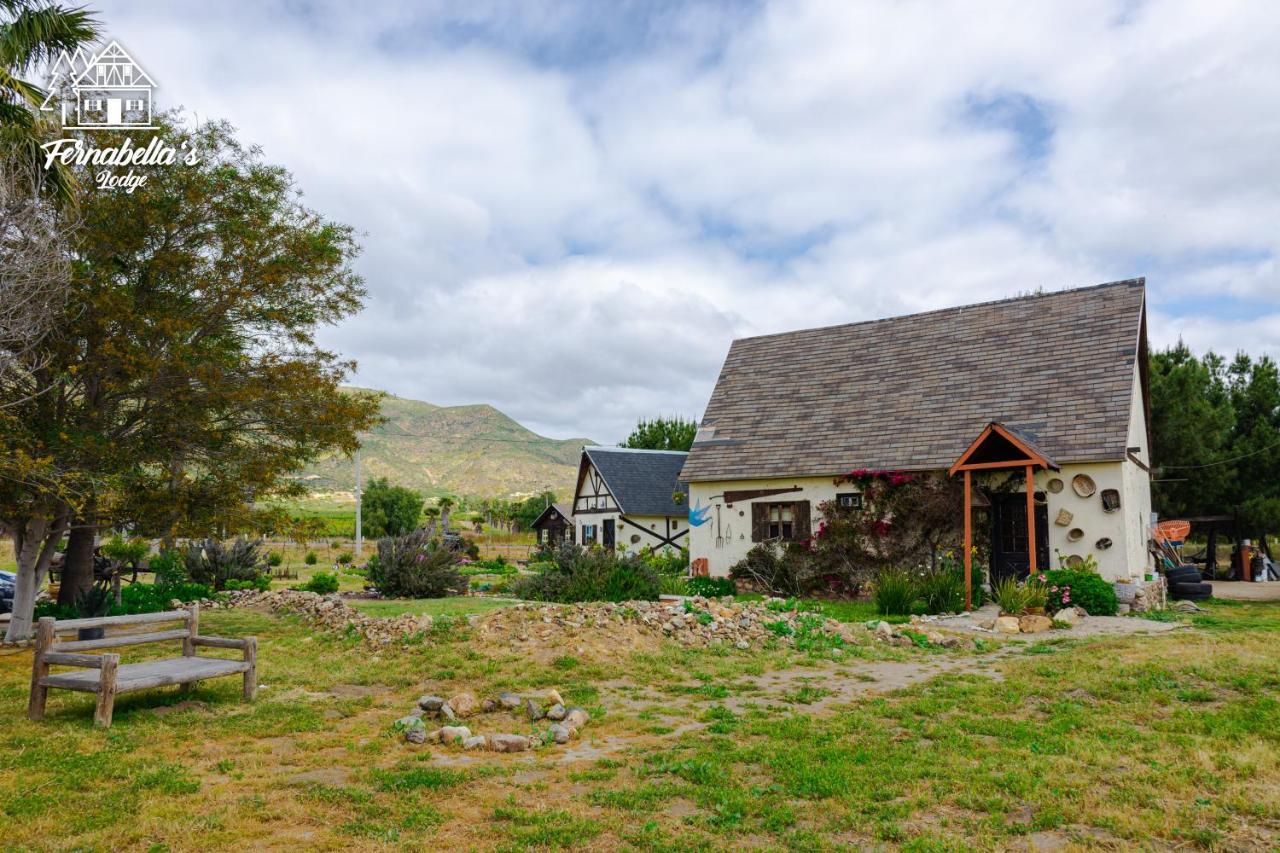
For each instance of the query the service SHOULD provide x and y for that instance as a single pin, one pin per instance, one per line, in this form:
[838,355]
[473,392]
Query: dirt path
[643,715]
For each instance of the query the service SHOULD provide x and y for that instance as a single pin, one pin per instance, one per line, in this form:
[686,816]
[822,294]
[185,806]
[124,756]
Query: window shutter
[800,521]
[759,522]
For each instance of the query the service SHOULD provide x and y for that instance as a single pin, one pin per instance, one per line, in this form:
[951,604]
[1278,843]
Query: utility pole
[359,491]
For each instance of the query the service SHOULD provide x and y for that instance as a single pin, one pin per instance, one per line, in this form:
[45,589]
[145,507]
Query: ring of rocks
[565,722]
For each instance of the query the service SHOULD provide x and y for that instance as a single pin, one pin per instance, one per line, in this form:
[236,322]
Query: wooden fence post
[40,669]
[193,629]
[106,691]
[251,674]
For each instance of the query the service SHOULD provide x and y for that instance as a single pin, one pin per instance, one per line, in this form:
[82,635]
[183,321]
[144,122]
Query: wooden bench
[112,678]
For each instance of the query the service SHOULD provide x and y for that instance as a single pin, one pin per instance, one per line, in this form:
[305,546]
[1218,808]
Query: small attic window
[849,500]
[706,433]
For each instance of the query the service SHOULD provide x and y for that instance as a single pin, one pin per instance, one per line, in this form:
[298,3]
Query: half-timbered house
[629,500]
[554,526]
[1038,402]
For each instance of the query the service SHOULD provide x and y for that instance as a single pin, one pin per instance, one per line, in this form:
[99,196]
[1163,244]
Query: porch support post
[1031,521]
[968,542]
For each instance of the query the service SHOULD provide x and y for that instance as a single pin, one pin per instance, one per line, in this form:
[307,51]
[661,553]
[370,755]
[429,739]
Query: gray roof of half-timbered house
[641,481]
[911,393]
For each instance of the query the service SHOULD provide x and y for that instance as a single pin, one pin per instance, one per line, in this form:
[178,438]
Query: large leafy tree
[1215,428]
[185,379]
[388,510]
[33,33]
[663,433]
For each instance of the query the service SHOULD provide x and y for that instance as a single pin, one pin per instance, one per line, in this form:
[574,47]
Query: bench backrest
[48,629]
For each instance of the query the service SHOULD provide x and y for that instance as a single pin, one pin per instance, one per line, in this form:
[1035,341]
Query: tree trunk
[34,543]
[77,568]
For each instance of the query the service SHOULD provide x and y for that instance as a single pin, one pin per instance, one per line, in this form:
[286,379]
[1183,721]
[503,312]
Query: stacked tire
[1186,583]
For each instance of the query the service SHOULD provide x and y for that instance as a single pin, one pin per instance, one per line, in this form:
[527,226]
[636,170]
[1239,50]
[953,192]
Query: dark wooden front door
[1009,536]
[608,533]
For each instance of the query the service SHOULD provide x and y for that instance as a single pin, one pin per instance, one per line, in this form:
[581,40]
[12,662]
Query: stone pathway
[1088,626]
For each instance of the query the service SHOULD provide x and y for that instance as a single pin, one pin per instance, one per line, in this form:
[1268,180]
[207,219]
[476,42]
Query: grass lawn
[459,606]
[1119,742]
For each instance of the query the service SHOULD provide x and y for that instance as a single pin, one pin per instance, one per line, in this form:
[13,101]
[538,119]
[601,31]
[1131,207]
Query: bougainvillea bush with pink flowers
[905,521]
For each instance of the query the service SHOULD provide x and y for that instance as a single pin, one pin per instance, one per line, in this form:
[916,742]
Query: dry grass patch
[1165,740]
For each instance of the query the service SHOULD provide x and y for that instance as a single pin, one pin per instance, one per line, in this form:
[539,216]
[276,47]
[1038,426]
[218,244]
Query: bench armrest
[219,642]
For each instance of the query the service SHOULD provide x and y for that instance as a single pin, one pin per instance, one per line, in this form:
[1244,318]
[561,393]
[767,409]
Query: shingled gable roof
[911,393]
[641,481]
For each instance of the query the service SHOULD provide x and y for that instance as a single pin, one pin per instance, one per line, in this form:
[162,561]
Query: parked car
[7,581]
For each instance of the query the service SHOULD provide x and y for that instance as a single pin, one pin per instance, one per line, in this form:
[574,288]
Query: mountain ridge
[473,449]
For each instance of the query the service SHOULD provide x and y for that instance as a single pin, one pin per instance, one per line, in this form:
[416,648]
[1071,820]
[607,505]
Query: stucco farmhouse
[1049,389]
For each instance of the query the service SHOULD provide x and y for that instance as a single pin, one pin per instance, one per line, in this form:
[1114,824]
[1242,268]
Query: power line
[1219,462]
[539,440]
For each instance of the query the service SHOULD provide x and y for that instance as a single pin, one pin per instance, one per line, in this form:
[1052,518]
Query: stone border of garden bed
[565,722]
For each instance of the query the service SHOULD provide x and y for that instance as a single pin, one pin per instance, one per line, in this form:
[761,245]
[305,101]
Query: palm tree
[431,513]
[445,504]
[34,32]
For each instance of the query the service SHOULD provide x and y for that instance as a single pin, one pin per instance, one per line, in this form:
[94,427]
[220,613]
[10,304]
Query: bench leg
[251,674]
[106,692]
[40,670]
[39,694]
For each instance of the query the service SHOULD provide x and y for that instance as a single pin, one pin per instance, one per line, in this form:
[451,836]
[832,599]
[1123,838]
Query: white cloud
[570,213]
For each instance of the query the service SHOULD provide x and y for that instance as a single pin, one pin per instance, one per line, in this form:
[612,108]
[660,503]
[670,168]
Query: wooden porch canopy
[998,447]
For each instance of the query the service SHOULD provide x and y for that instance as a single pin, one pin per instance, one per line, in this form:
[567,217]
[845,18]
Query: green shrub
[942,591]
[346,558]
[168,567]
[261,583]
[214,564]
[311,559]
[274,558]
[416,566]
[673,585]
[1010,595]
[1037,594]
[154,598]
[322,583]
[1068,587]
[776,570]
[582,574]
[121,551]
[496,566]
[894,592]
[711,587]
[137,598]
[667,562]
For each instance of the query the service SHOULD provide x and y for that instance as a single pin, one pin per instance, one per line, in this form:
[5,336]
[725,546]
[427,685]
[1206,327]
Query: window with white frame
[849,500]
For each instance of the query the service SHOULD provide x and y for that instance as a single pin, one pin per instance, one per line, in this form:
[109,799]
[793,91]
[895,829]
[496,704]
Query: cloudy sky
[571,208]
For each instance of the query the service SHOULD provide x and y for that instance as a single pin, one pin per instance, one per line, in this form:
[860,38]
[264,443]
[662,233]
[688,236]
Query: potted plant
[1011,596]
[1126,589]
[1035,594]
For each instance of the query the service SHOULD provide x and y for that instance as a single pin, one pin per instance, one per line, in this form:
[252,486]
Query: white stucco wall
[654,530]
[735,521]
[1126,557]
[1137,484]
